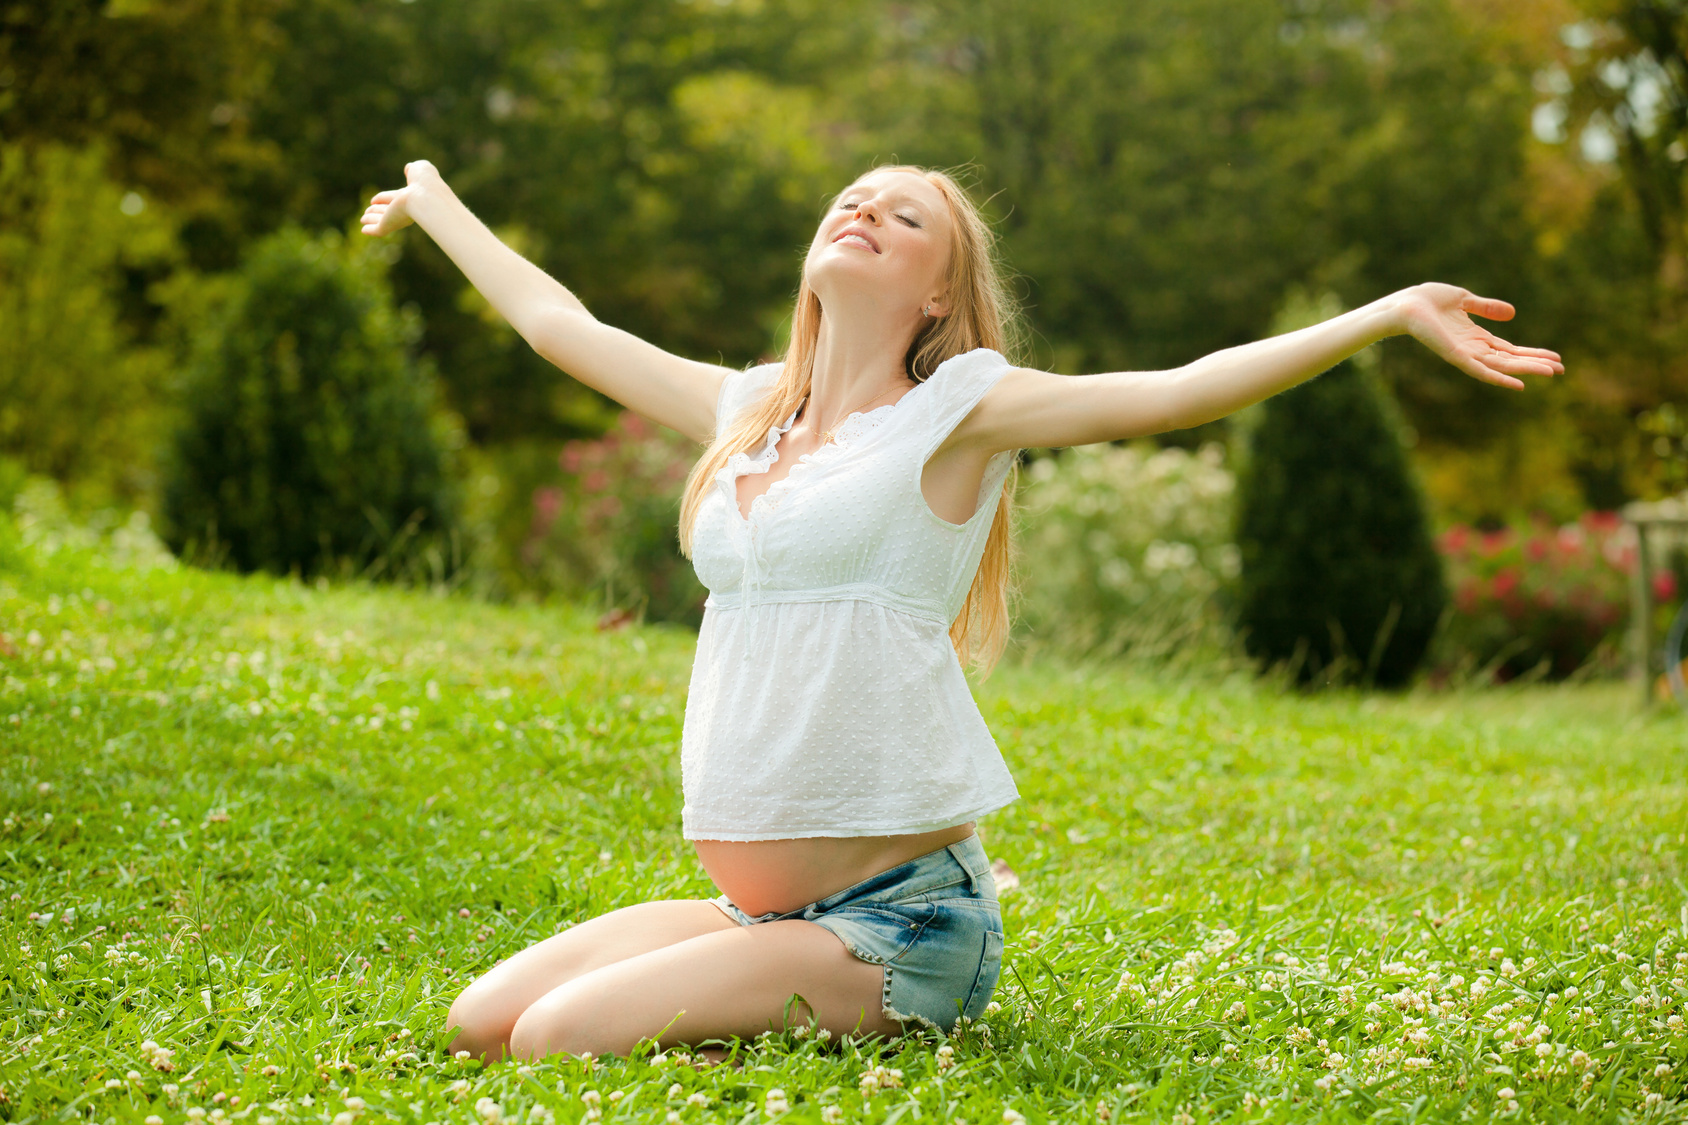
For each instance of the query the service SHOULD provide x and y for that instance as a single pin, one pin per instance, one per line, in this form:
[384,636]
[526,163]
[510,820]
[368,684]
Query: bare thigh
[485,1013]
[733,981]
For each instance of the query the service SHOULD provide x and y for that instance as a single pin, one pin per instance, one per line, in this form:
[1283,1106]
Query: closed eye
[910,220]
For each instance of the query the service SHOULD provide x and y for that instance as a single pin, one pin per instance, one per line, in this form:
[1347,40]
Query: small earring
[926,312]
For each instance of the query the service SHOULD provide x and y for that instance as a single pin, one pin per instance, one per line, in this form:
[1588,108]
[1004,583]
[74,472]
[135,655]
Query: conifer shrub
[1340,578]
[309,441]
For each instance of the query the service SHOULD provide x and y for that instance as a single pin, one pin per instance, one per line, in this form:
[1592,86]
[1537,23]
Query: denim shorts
[934,924]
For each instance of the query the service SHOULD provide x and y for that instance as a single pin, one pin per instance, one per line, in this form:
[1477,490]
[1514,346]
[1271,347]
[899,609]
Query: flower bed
[1533,593]
[609,528]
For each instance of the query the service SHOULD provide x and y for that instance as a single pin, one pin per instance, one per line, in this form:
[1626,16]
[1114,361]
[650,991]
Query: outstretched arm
[665,388]
[1034,409]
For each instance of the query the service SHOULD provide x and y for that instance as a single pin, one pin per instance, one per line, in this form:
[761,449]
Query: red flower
[1607,522]
[1664,585]
[1496,541]
[1506,582]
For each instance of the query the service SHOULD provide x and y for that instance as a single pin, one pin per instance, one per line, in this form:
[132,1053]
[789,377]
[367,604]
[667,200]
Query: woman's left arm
[1035,409]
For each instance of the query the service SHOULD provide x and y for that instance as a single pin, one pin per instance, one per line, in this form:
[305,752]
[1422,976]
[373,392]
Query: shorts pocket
[990,967]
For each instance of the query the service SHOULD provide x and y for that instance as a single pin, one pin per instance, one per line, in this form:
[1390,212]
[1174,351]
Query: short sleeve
[955,388]
[740,389]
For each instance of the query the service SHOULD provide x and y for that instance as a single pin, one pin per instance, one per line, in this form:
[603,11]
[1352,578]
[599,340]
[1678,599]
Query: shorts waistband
[961,863]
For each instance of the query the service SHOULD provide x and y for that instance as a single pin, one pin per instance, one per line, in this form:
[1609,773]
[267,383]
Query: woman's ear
[936,307]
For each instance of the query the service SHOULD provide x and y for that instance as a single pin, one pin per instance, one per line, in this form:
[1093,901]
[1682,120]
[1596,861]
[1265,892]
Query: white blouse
[826,699]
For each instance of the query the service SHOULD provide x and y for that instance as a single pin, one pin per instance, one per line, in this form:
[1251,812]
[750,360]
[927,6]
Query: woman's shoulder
[961,380]
[742,388]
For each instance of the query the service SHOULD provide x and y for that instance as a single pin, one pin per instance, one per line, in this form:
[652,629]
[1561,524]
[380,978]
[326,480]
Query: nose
[869,210]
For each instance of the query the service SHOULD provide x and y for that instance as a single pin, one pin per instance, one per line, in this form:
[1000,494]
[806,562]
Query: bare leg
[736,980]
[485,1012]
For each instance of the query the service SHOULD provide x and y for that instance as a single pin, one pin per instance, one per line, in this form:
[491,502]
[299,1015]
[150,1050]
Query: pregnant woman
[850,521]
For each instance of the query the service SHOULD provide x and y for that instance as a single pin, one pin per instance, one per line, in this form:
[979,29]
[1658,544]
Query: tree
[1340,577]
[309,441]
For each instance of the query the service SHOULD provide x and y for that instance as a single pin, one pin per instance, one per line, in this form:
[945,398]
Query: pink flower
[1664,585]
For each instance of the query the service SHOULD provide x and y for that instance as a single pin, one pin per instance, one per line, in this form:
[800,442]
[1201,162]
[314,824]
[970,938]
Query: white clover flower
[153,1119]
[1012,1117]
[345,1117]
[490,1111]
[1662,1070]
[673,1117]
[1324,1084]
[1506,1093]
[832,1114]
[992,1008]
[114,1084]
[698,1099]
[774,1102]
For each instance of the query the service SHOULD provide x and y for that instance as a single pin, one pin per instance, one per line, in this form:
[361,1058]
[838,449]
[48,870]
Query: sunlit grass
[257,835]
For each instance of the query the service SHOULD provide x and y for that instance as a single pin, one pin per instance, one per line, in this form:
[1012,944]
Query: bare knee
[480,1025]
[561,1024]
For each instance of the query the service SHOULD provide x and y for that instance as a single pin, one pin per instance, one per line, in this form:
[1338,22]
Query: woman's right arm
[665,388]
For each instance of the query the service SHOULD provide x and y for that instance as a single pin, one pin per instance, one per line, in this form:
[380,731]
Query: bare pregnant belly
[776,876]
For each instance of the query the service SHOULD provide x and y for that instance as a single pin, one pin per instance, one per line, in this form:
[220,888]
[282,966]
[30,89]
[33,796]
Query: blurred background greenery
[1167,175]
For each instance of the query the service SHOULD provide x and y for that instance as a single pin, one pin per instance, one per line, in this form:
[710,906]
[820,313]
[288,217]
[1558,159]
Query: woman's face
[887,235]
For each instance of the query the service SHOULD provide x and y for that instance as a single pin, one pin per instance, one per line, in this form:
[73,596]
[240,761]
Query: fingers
[1480,370]
[385,196]
[1487,307]
[1548,362]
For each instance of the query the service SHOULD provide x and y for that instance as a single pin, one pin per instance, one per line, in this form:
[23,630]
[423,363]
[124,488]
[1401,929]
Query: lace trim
[854,427]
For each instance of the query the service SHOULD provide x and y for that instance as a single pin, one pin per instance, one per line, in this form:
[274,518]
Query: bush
[79,389]
[309,440]
[1340,577]
[1537,596]
[610,528]
[1124,547]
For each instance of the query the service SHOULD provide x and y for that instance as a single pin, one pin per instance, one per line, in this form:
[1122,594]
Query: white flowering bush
[1123,548]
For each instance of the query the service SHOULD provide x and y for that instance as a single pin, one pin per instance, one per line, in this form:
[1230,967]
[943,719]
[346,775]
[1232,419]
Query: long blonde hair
[982,315]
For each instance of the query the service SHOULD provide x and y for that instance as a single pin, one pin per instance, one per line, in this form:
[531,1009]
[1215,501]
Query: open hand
[389,211]
[1439,316]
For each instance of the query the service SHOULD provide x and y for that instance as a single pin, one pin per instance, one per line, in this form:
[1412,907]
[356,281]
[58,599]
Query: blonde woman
[850,520]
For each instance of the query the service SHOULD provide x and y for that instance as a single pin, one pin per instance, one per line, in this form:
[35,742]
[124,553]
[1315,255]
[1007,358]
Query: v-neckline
[773,452]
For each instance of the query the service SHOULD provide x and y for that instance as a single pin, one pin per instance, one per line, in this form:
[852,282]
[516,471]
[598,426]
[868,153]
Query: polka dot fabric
[826,699]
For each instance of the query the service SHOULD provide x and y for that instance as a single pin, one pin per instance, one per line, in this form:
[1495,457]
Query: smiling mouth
[856,238]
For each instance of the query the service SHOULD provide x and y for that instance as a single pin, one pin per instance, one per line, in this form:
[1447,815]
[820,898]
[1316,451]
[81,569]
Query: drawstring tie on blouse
[750,584]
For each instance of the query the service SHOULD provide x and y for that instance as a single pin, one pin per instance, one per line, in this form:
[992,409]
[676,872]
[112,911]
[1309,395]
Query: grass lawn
[257,834]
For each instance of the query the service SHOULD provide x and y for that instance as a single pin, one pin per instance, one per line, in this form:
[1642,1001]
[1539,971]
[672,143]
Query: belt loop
[959,853]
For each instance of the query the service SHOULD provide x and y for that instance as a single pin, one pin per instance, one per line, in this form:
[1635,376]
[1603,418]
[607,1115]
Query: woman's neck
[854,369]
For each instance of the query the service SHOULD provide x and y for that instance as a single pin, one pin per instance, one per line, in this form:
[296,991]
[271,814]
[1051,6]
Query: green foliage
[1542,600]
[1340,577]
[254,822]
[1123,548]
[79,395]
[309,440]
[608,531]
